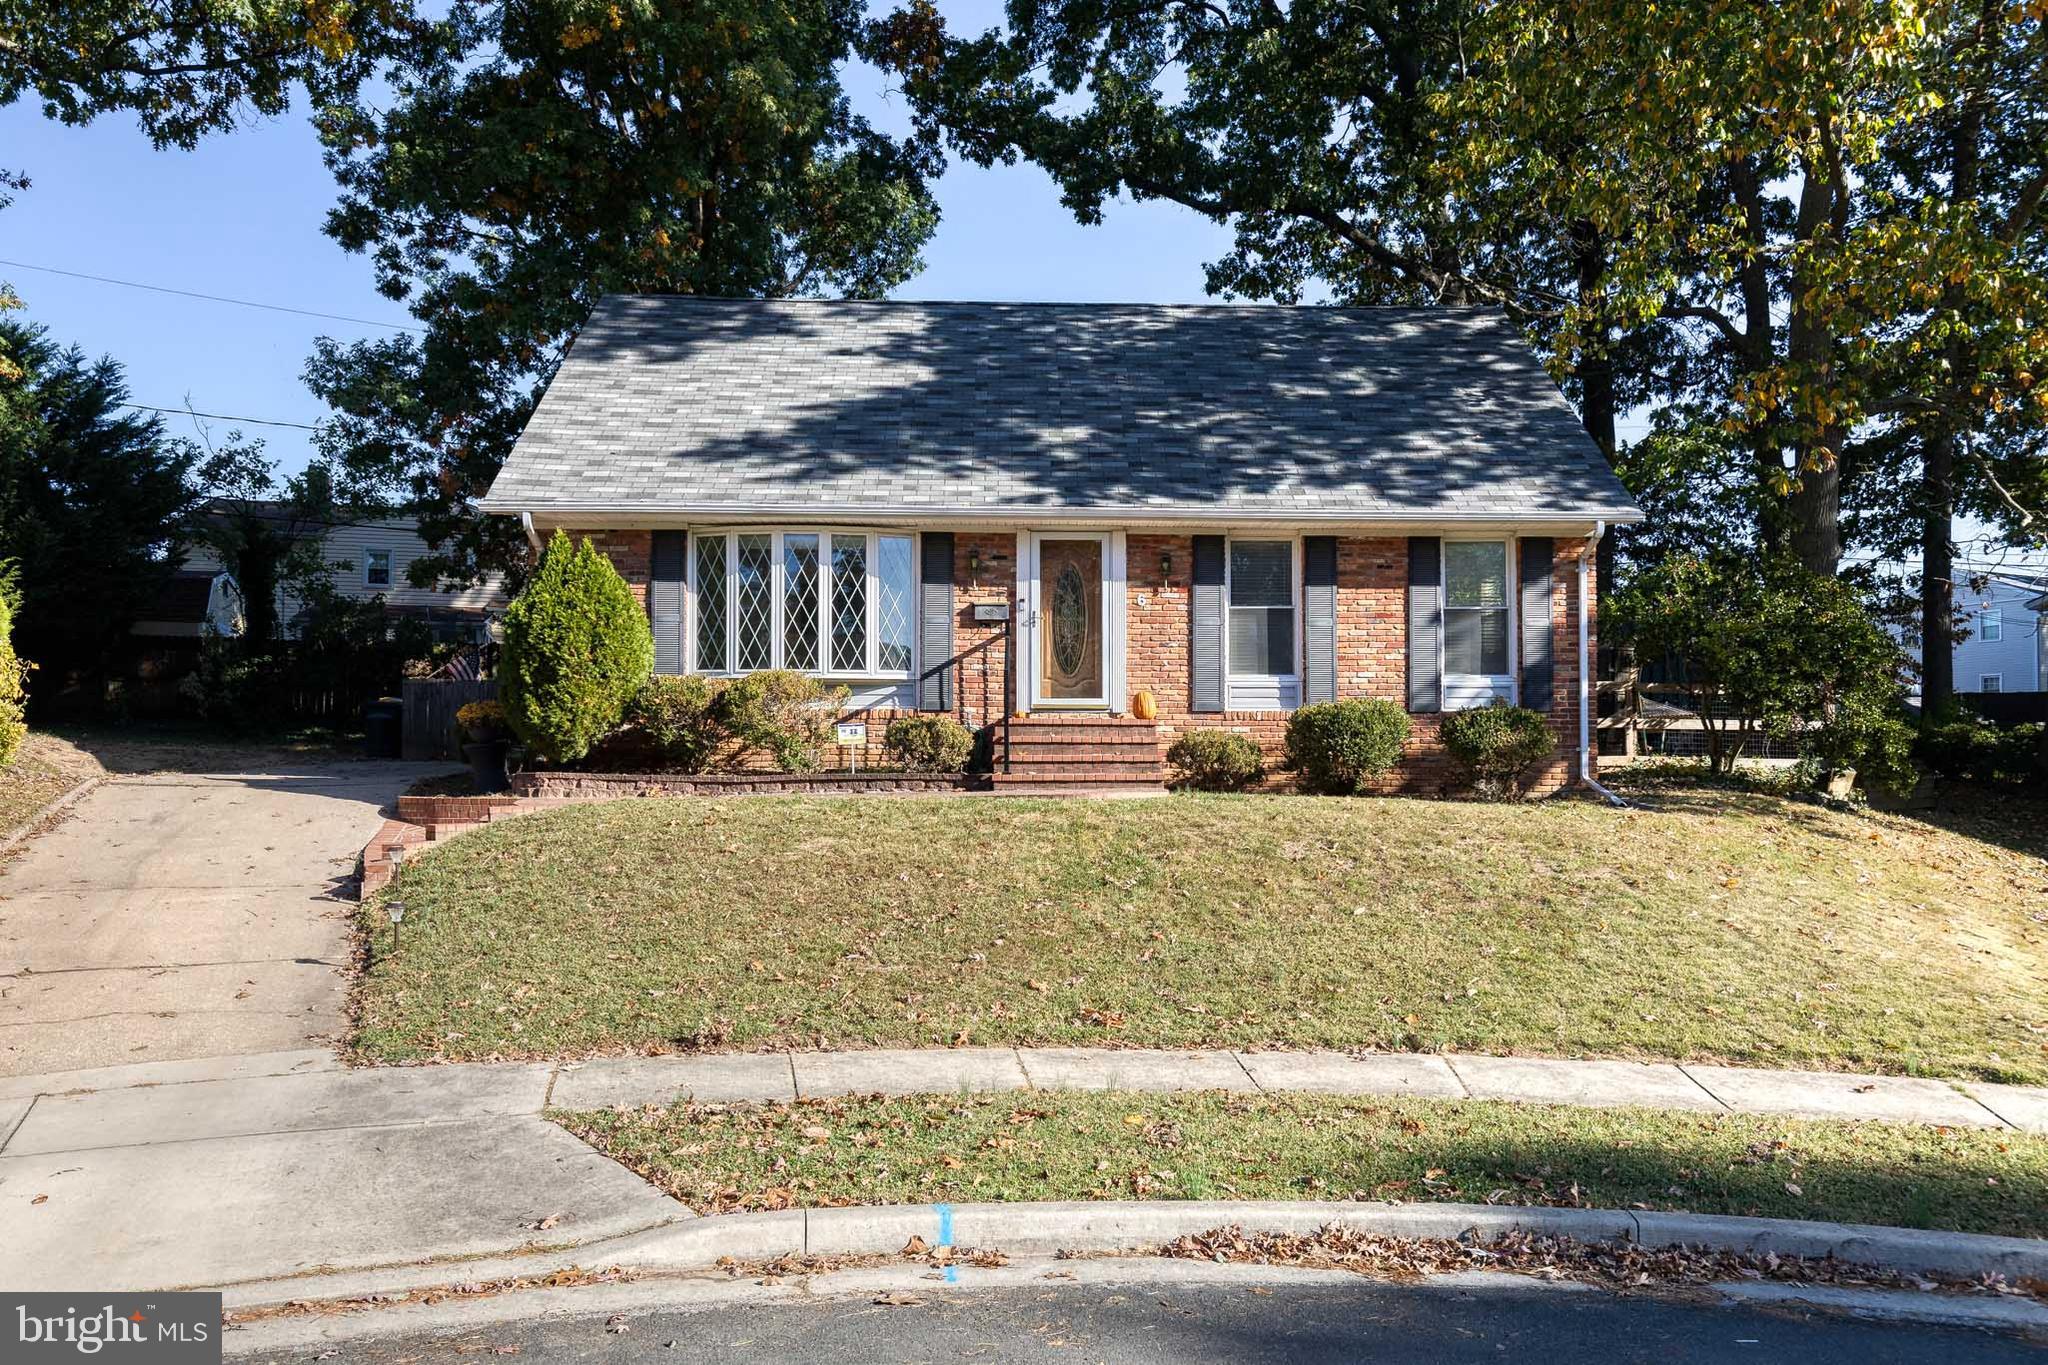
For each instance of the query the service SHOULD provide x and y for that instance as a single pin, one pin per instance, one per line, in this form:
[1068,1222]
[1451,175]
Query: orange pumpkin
[1144,706]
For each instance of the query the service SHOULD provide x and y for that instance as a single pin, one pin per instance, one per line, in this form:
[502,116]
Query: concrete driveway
[190,914]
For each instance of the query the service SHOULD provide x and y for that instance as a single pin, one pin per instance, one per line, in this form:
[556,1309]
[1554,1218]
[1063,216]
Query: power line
[214,298]
[221,417]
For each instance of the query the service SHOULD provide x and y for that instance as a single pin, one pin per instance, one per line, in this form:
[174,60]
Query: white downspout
[533,539]
[1587,770]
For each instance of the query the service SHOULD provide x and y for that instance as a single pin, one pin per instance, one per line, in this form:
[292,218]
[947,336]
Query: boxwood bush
[929,744]
[1339,747]
[786,714]
[1216,760]
[1497,745]
[577,649]
[679,716]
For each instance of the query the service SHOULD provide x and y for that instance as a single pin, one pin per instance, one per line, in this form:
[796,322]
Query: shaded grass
[1038,1146]
[1723,925]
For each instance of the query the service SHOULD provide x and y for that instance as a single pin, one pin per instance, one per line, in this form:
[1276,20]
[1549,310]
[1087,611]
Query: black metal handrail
[958,695]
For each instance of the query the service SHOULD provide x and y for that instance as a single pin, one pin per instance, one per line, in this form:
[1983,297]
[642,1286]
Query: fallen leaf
[898,1298]
[40,1199]
[1791,1188]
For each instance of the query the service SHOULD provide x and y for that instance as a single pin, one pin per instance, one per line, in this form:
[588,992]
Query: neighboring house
[2003,620]
[2001,651]
[1236,509]
[371,559]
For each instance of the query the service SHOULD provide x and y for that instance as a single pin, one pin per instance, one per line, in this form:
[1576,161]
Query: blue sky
[241,217]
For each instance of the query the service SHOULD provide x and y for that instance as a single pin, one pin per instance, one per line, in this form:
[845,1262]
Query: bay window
[837,603]
[1476,623]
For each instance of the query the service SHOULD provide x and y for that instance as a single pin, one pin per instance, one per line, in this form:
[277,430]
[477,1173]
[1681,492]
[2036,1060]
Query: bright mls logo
[168,1329]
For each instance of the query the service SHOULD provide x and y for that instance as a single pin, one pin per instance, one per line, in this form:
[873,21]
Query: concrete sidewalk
[258,1167]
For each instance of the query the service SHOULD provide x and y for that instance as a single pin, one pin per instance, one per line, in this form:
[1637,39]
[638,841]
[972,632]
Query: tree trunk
[1937,577]
[1938,435]
[1816,501]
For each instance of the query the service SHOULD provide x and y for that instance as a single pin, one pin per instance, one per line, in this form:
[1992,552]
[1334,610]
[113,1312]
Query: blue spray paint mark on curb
[945,1212]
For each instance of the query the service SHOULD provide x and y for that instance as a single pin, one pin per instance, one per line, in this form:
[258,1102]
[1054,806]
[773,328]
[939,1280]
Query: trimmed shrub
[787,715]
[1975,750]
[13,677]
[1497,745]
[1216,760]
[929,744]
[1339,747]
[680,717]
[577,650]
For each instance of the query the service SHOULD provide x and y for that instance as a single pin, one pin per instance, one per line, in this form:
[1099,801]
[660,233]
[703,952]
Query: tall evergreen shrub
[577,650]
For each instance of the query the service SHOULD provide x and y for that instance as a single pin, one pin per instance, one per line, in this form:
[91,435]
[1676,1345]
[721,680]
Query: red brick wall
[631,553]
[1372,584]
[1372,579]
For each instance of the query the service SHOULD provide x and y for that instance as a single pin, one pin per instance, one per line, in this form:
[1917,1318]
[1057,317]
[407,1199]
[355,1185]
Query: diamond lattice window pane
[894,637]
[849,603]
[800,601]
[711,607]
[753,605]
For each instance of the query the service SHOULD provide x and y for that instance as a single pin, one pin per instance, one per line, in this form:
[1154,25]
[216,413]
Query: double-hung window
[377,568]
[1477,623]
[832,602]
[1991,626]
[1259,588]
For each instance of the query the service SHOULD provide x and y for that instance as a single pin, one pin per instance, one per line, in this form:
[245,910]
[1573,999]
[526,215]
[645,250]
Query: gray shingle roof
[695,406]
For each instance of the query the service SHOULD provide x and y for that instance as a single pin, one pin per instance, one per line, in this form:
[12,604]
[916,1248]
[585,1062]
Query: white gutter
[684,514]
[1587,768]
[532,536]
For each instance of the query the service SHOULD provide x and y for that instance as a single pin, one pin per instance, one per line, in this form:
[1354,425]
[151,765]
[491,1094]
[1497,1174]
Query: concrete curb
[1129,1226]
[36,822]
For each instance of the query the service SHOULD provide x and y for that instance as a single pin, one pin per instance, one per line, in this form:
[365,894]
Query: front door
[1071,630]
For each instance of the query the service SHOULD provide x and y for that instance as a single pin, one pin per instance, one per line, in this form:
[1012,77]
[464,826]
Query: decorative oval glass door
[1070,620]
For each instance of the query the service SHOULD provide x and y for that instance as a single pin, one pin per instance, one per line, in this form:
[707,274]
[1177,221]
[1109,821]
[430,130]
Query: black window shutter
[1319,618]
[935,619]
[1538,638]
[665,599]
[1425,624]
[1205,633]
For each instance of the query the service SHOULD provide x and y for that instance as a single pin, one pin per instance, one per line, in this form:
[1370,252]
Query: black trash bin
[383,726]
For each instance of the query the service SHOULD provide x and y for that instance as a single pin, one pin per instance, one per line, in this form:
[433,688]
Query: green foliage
[185,68]
[538,156]
[682,718]
[1972,749]
[13,673]
[1497,745]
[929,744]
[1764,646]
[1340,747]
[1217,760]
[787,715]
[344,647]
[93,500]
[577,649]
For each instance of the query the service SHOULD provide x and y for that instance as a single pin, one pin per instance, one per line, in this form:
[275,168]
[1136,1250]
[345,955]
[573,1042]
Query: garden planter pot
[487,764]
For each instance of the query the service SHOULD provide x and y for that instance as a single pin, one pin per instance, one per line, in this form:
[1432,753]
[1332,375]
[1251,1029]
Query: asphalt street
[1346,1319]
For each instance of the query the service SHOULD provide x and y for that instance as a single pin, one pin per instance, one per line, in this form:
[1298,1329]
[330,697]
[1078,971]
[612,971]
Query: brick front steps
[1048,751]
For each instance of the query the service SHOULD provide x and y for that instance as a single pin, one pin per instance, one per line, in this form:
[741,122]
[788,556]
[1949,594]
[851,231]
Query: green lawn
[1720,925]
[1037,1146]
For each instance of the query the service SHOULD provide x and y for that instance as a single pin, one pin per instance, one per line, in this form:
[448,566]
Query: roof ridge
[1248,308]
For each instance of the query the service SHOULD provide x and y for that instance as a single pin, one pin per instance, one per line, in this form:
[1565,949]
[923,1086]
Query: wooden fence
[430,706]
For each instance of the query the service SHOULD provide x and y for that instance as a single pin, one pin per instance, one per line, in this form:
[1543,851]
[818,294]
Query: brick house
[1042,510]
